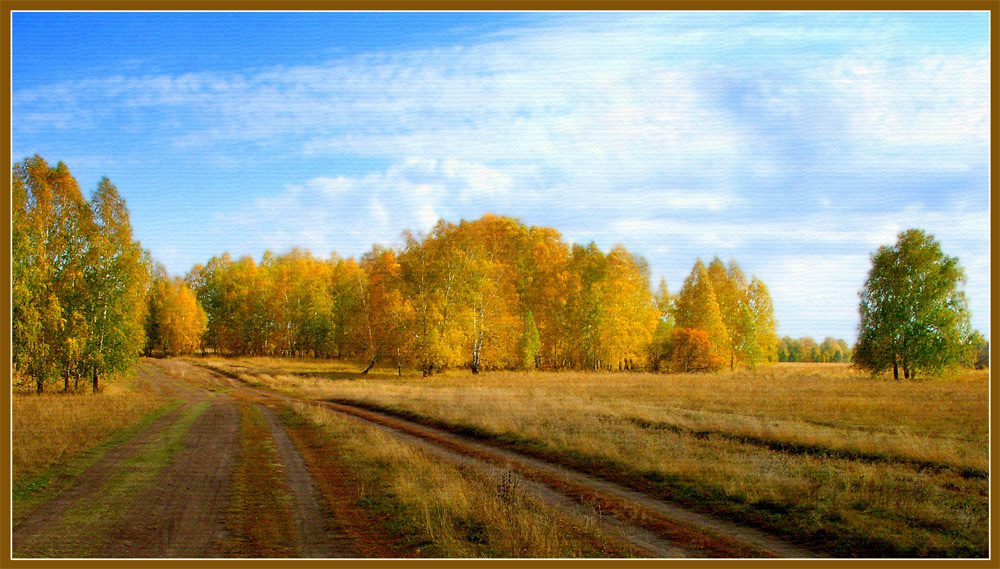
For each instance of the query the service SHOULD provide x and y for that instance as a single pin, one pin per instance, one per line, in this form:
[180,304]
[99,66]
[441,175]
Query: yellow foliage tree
[176,321]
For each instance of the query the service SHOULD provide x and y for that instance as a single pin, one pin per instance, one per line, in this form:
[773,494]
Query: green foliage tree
[979,351]
[660,345]
[117,277]
[530,344]
[78,278]
[913,315]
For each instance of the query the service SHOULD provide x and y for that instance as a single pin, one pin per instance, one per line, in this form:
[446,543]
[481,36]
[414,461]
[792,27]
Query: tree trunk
[895,370]
[66,382]
[95,378]
[369,368]
[39,385]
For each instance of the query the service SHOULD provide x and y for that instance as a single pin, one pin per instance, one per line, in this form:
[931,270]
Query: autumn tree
[762,344]
[175,321]
[691,350]
[696,307]
[381,308]
[79,279]
[913,315]
[488,252]
[431,281]
[629,315]
[548,287]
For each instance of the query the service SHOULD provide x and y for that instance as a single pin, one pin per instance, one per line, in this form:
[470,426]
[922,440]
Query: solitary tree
[912,313]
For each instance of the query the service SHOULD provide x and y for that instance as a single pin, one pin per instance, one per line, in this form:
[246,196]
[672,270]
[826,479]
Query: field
[841,462]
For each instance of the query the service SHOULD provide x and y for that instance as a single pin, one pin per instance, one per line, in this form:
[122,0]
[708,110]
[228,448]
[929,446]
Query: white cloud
[350,214]
[926,101]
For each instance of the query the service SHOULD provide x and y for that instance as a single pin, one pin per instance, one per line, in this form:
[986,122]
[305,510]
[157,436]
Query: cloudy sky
[795,143]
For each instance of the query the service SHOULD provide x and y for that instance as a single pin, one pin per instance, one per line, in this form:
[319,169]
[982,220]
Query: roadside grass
[80,524]
[52,428]
[260,516]
[850,464]
[28,490]
[435,508]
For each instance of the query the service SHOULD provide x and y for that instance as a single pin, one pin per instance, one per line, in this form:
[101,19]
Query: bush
[691,351]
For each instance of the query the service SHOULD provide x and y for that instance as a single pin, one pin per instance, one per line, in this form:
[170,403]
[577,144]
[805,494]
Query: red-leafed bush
[691,351]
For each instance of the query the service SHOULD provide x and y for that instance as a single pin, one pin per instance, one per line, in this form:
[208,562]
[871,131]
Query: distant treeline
[807,350]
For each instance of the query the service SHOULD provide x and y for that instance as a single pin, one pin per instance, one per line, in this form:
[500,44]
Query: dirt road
[190,485]
[169,491]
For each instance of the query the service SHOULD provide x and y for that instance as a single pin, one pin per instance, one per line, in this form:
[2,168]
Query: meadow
[50,429]
[848,464]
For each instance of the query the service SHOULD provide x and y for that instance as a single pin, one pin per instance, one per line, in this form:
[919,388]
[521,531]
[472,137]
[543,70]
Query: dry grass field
[442,510]
[852,465]
[51,428]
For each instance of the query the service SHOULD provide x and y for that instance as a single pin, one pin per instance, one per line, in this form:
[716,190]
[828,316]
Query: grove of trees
[717,319]
[79,280]
[484,294]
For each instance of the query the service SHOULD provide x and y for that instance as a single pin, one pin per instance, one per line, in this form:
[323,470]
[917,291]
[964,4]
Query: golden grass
[892,468]
[49,429]
[446,510]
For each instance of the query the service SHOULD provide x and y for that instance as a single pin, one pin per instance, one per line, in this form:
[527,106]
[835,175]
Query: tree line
[806,349]
[485,294]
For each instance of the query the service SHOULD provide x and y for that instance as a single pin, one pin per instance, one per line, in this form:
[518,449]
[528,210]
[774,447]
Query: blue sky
[795,143]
